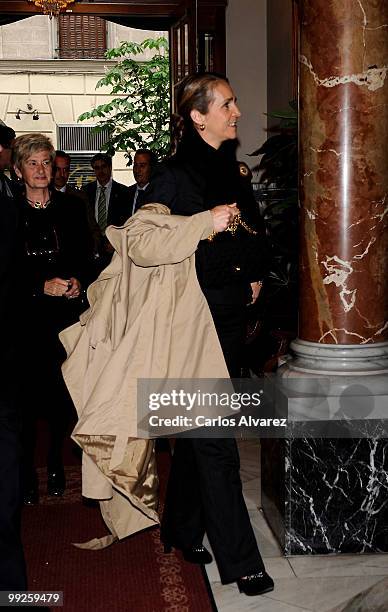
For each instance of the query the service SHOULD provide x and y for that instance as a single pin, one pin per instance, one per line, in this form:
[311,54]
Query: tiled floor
[312,583]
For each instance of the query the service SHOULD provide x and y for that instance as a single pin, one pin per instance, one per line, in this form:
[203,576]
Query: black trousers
[204,492]
[205,495]
[12,566]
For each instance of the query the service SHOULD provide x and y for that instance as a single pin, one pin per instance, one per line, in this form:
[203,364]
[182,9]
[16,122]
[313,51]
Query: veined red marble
[344,171]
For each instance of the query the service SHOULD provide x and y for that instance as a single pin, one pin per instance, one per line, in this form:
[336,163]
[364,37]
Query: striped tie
[101,210]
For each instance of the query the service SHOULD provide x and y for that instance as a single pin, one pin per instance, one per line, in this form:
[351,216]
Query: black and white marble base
[326,495]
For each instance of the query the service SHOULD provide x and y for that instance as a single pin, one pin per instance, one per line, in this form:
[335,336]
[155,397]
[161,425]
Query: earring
[202,127]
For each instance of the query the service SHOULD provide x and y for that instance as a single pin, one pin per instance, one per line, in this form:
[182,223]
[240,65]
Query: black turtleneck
[197,178]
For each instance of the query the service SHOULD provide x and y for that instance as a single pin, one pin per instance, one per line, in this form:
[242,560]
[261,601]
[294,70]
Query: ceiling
[144,14]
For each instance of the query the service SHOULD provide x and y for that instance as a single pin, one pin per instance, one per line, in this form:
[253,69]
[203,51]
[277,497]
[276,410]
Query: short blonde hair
[27,144]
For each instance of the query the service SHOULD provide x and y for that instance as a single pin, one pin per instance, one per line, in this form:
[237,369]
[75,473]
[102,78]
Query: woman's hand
[74,288]
[256,288]
[56,287]
[59,287]
[223,215]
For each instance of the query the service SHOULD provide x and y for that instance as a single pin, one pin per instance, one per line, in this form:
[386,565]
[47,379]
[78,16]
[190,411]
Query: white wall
[31,38]
[37,38]
[246,61]
[60,90]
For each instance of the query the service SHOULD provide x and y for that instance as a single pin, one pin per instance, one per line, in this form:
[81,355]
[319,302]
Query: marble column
[328,495]
[344,171]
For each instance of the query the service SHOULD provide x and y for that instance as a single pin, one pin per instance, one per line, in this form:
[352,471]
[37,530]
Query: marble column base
[324,495]
[315,358]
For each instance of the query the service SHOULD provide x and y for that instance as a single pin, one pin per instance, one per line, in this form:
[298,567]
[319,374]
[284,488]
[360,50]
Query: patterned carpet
[132,575]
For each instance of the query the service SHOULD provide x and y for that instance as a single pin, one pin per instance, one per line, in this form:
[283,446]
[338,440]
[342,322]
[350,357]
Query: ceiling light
[30,111]
[51,7]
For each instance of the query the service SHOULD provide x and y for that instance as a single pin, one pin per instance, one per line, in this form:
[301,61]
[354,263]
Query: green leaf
[139,117]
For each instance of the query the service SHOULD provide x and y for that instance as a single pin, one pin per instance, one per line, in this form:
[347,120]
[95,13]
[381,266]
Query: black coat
[63,225]
[141,197]
[119,208]
[12,567]
[10,271]
[131,195]
[197,178]
[55,244]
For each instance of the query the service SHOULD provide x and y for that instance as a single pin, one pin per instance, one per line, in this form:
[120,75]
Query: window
[81,37]
[81,142]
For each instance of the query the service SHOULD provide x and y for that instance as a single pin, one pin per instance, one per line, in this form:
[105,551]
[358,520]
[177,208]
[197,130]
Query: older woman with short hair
[55,238]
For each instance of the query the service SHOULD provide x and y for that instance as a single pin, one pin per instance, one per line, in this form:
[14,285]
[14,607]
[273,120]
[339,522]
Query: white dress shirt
[136,194]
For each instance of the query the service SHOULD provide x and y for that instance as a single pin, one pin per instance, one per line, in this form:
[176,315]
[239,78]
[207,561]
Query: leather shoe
[255,584]
[196,554]
[56,482]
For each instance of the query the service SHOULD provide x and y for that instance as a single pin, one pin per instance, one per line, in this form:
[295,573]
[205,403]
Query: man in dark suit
[108,203]
[61,174]
[12,567]
[7,135]
[143,164]
[105,189]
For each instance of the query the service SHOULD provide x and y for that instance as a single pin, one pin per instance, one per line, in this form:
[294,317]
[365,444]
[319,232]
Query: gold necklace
[37,204]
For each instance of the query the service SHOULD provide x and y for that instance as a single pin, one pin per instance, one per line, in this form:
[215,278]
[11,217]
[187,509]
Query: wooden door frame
[147,8]
[210,18]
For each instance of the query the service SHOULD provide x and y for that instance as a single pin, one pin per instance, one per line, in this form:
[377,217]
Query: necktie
[101,210]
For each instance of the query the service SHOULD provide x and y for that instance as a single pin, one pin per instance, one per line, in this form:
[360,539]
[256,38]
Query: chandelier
[51,7]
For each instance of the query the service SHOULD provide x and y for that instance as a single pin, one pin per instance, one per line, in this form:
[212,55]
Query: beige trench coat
[148,318]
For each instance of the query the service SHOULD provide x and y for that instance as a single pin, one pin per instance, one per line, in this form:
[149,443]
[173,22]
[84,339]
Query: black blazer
[132,192]
[67,220]
[119,208]
[11,245]
[142,198]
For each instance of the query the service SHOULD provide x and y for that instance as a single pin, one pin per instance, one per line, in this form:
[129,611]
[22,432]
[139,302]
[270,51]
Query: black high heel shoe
[197,554]
[255,584]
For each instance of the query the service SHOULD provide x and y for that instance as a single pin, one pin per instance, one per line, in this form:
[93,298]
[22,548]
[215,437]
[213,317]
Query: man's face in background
[142,169]
[61,171]
[7,137]
[5,156]
[103,171]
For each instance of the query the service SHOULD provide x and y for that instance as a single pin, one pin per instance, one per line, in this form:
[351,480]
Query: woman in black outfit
[204,490]
[55,255]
